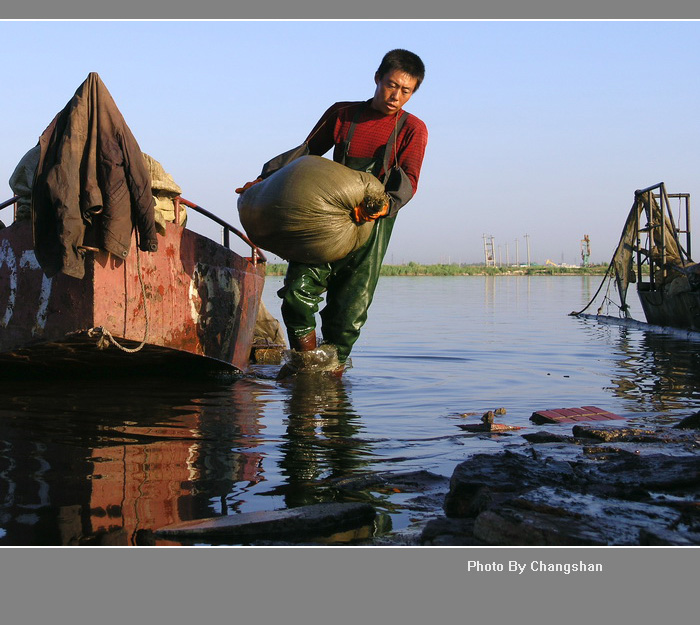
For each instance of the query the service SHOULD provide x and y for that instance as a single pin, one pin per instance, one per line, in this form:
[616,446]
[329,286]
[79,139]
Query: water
[107,462]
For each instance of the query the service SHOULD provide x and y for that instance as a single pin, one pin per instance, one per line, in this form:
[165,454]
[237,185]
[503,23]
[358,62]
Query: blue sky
[537,128]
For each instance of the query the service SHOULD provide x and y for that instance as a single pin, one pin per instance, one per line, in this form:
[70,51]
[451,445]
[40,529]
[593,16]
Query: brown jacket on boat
[91,186]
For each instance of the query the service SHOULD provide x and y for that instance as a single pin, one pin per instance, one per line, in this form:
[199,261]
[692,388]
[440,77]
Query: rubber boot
[337,372]
[305,343]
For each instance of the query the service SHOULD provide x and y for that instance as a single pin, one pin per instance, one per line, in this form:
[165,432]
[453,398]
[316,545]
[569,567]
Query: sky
[539,131]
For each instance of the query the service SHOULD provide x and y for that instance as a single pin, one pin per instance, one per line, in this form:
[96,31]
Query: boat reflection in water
[654,370]
[108,462]
[98,462]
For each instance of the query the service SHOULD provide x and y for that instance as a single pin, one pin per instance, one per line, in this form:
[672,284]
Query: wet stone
[414,481]
[447,532]
[663,537]
[496,428]
[611,497]
[487,423]
[634,435]
[475,482]
[514,527]
[304,521]
[586,517]
[546,437]
[691,423]
[657,471]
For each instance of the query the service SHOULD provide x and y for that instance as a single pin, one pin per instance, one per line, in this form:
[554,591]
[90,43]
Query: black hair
[404,61]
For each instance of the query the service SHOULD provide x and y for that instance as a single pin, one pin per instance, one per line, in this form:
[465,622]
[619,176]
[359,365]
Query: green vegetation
[276,269]
[454,269]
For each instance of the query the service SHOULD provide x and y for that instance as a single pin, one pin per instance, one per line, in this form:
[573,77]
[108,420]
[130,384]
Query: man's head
[399,75]
[404,61]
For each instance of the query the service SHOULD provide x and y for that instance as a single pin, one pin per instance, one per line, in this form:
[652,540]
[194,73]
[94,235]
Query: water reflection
[506,291]
[321,439]
[657,372]
[98,462]
[105,463]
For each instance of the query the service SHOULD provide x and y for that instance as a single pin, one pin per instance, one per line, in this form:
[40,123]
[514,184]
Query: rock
[488,417]
[446,532]
[634,435]
[305,521]
[546,437]
[413,481]
[508,526]
[514,499]
[663,537]
[487,423]
[555,516]
[488,427]
[651,472]
[476,482]
[690,423]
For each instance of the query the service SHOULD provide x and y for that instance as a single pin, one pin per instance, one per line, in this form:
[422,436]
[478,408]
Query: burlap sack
[303,211]
[165,189]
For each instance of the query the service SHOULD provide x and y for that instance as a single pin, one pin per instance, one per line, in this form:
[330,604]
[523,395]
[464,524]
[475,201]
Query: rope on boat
[607,278]
[104,336]
[602,283]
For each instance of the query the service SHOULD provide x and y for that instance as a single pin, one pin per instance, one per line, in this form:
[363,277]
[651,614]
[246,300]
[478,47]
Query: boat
[179,301]
[190,306]
[654,252]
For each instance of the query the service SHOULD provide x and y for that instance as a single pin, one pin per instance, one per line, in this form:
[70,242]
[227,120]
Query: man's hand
[247,185]
[361,215]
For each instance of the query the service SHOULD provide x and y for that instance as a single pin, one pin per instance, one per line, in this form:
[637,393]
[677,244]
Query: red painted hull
[200,308]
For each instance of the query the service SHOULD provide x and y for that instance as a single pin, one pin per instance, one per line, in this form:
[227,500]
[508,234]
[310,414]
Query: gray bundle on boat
[21,182]
[302,212]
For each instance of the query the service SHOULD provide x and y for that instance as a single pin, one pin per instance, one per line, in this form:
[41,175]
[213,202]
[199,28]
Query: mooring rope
[104,336]
[602,283]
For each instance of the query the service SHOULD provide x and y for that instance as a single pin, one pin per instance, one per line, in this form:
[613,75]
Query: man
[375,136]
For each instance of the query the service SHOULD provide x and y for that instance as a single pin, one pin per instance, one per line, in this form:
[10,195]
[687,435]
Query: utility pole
[517,258]
[527,240]
[585,250]
[489,259]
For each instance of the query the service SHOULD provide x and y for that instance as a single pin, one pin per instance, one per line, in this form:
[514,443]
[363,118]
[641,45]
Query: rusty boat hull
[679,310]
[191,306]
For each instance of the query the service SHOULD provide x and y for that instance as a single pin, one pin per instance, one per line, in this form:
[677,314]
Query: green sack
[302,212]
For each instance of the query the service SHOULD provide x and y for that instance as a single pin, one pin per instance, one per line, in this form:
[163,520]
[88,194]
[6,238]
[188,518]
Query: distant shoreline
[415,269]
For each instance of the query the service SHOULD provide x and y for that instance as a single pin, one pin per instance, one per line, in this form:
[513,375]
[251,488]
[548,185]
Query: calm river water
[107,462]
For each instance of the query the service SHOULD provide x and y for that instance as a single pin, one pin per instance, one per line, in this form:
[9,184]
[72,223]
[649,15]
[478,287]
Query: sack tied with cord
[303,212]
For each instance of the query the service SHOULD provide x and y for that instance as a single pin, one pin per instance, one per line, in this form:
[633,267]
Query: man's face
[393,90]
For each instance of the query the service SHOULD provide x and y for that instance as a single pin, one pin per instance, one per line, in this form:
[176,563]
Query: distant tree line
[454,269]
